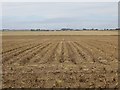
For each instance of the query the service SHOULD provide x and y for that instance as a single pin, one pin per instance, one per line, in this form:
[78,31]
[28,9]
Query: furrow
[30,54]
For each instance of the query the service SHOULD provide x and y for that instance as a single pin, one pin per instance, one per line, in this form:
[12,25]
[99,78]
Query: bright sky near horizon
[57,15]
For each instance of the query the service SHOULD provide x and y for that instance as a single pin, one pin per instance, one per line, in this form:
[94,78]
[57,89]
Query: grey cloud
[57,15]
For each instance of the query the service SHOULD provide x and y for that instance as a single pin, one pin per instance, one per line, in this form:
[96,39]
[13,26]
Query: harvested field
[77,61]
[114,32]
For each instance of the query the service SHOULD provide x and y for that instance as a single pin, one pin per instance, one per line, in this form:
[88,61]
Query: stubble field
[76,61]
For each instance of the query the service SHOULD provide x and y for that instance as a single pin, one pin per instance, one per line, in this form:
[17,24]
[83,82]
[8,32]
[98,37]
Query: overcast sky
[55,15]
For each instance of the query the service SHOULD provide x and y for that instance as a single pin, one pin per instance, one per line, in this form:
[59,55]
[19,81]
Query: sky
[57,15]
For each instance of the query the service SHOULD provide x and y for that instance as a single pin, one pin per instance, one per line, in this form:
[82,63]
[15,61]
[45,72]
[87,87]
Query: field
[60,59]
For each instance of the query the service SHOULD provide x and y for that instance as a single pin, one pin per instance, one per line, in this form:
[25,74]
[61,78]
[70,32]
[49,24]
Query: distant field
[60,33]
[80,59]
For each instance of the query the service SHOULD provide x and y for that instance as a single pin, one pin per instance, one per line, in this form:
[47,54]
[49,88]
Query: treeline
[69,29]
[63,29]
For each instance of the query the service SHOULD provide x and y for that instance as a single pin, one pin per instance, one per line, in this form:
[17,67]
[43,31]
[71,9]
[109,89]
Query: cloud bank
[54,15]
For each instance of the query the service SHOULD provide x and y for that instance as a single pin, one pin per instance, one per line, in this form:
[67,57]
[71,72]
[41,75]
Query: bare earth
[60,33]
[60,59]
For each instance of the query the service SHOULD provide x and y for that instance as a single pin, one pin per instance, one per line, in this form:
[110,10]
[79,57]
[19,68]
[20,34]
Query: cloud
[57,15]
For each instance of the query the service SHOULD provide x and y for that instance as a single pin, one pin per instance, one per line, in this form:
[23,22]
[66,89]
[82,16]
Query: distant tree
[32,30]
[117,29]
[5,29]
[66,29]
[84,29]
